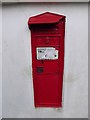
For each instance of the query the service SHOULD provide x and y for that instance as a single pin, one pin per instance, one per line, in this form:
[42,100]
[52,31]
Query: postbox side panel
[62,48]
[48,74]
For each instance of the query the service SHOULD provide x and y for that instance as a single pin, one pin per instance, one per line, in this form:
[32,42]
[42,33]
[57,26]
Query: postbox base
[50,106]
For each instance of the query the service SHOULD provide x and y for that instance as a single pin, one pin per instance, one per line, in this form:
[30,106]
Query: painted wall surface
[0,61]
[17,75]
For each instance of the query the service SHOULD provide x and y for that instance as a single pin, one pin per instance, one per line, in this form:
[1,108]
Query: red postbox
[47,41]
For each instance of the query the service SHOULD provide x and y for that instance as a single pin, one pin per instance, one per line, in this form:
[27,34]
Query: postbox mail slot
[50,30]
[47,41]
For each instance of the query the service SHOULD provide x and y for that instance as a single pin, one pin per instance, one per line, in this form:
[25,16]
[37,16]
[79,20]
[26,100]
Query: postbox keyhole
[42,61]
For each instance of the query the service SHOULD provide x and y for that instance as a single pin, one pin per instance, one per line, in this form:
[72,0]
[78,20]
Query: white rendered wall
[0,61]
[17,79]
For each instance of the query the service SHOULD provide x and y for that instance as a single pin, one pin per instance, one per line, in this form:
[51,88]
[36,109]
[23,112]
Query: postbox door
[48,84]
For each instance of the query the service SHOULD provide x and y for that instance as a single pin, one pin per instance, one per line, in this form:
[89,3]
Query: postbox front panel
[47,64]
[48,90]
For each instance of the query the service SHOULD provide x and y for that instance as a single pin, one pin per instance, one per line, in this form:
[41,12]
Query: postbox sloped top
[45,18]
